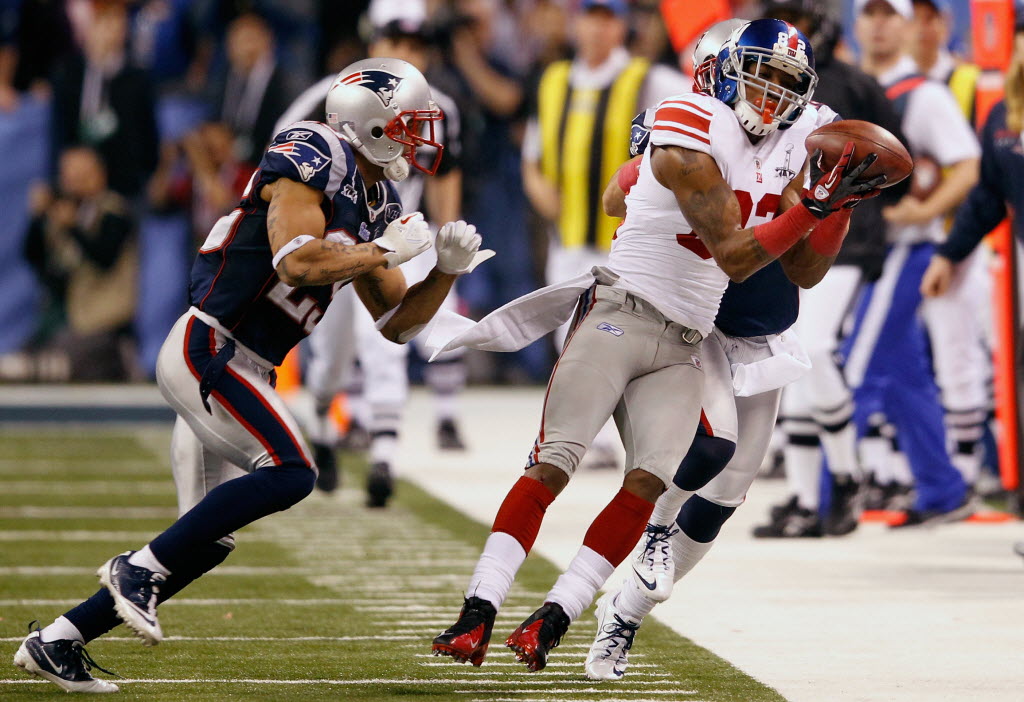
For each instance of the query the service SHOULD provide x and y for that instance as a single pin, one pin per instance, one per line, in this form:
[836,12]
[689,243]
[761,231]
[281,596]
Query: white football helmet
[382,107]
[705,53]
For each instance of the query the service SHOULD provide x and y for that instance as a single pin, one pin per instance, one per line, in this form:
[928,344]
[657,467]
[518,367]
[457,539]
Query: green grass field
[329,600]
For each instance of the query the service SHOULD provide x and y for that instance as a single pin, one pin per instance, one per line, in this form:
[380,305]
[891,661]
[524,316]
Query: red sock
[617,529]
[523,510]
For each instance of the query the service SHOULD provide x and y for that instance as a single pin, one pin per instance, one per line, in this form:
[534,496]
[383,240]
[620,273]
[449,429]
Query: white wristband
[296,243]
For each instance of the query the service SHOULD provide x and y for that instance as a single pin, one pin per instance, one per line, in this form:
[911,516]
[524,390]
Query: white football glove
[405,238]
[458,248]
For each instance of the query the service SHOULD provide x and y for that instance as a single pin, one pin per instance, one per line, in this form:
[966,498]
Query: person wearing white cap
[888,358]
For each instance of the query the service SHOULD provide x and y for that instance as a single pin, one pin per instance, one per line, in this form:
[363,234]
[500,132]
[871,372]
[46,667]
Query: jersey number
[767,206]
[300,307]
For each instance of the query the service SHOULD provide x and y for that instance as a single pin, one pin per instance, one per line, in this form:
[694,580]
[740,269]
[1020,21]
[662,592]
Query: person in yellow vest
[579,133]
[575,140]
[962,369]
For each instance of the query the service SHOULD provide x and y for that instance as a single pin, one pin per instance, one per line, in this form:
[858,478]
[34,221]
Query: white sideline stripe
[366,681]
[85,535]
[89,487]
[517,664]
[558,690]
[134,639]
[30,512]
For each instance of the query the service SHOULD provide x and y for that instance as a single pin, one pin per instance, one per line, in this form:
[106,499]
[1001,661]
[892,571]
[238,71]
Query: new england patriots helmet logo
[382,83]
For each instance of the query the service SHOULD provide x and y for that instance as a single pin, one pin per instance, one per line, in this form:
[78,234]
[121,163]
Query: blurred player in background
[817,409]
[759,120]
[888,359]
[398,29]
[320,212]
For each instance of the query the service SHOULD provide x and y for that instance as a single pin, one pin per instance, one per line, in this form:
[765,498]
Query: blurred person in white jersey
[717,171]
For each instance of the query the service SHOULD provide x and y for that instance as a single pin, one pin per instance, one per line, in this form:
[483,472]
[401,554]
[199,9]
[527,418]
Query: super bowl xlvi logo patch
[784,171]
[610,328]
[298,135]
[382,83]
[307,159]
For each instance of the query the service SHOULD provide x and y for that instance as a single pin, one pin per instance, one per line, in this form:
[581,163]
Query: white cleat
[63,662]
[607,657]
[653,568]
[134,589]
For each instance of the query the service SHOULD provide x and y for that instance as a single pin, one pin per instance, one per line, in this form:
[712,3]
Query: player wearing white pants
[817,411]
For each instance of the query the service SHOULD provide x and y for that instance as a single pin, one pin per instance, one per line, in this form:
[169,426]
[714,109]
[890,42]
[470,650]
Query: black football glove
[838,188]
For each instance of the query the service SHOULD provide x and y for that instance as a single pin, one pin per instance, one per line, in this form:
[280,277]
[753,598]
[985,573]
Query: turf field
[329,600]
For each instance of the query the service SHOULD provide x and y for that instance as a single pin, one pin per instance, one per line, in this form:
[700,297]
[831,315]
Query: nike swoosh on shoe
[649,586]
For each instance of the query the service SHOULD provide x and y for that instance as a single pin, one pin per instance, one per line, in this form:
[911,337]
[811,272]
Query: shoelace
[621,629]
[88,661]
[656,536]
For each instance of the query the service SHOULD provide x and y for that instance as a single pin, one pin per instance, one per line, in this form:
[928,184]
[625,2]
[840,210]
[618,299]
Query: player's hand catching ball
[405,238]
[838,188]
[458,248]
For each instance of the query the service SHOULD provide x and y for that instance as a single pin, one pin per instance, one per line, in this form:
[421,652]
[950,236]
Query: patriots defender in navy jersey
[319,213]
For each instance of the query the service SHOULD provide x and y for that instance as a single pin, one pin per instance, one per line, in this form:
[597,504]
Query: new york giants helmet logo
[382,83]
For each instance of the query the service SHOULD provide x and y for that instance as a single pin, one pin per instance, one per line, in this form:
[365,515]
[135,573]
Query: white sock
[901,468]
[803,474]
[62,628]
[496,569]
[631,601]
[145,558]
[876,451]
[446,406]
[383,448]
[687,553]
[841,449]
[576,587]
[666,509]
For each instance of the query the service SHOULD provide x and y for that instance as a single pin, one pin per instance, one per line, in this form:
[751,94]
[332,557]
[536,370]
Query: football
[893,159]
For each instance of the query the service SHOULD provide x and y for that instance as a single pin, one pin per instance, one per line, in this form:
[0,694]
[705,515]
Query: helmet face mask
[705,54]
[766,73]
[383,108]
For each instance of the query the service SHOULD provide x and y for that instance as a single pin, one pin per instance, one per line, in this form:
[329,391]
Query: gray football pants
[624,359]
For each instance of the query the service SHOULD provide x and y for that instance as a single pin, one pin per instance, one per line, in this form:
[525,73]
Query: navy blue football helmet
[764,99]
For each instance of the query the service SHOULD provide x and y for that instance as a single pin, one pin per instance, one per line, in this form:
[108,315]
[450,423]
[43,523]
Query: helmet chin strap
[397,170]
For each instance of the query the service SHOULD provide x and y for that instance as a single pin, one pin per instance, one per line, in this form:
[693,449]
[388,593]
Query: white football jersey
[655,252]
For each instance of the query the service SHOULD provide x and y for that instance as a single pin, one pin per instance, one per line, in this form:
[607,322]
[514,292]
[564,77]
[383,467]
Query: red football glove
[837,189]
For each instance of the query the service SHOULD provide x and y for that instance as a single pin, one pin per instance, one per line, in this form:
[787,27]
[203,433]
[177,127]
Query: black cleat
[799,524]
[467,639]
[844,512]
[64,662]
[778,512]
[379,485]
[448,438]
[534,638]
[328,477]
[134,589]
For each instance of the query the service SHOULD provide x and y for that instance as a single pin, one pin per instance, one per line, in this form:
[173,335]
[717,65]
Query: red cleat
[540,633]
[467,639]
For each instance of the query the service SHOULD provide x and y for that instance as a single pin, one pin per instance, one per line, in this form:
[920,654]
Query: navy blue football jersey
[233,278]
[765,303]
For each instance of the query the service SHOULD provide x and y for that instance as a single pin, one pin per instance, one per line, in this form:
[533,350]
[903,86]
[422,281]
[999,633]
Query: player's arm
[807,261]
[401,311]
[613,201]
[957,181]
[296,224]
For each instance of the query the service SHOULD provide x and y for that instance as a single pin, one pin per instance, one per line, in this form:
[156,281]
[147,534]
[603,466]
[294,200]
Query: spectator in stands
[81,242]
[34,34]
[102,101]
[254,90]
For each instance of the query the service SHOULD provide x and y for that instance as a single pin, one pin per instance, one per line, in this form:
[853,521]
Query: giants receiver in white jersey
[717,171]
